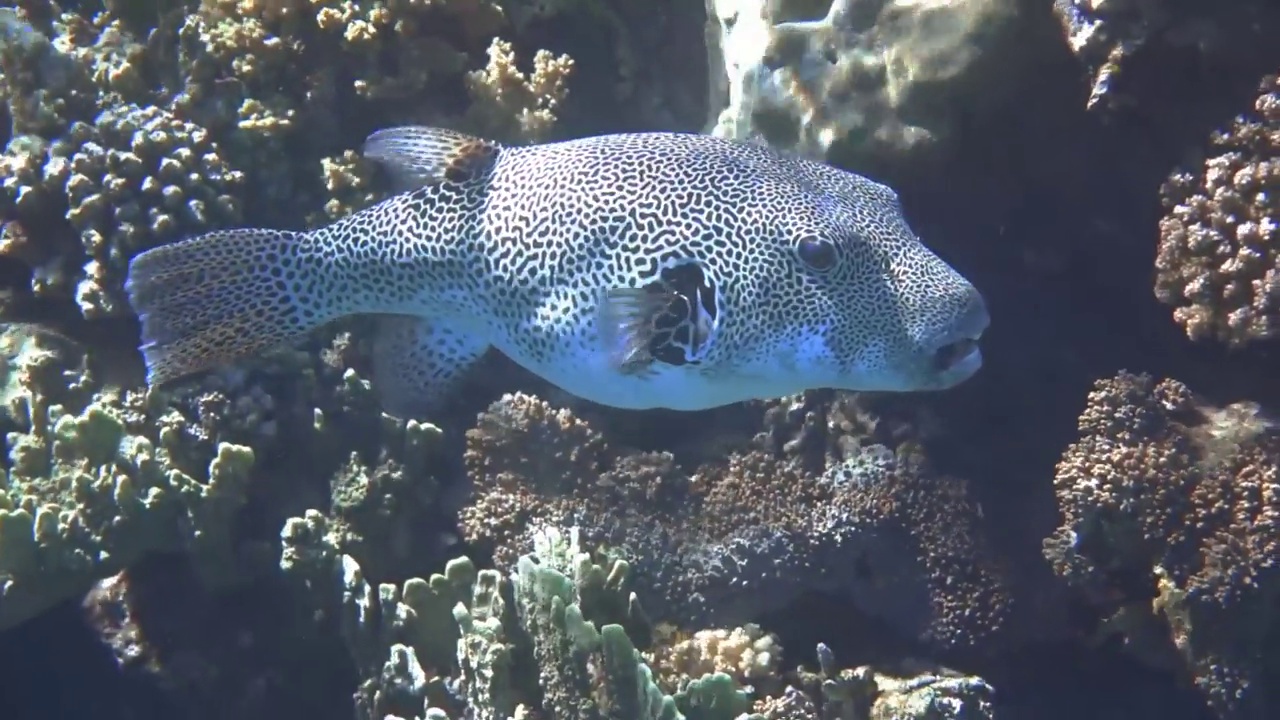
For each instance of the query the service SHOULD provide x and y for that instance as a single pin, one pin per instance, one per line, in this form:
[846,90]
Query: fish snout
[953,352]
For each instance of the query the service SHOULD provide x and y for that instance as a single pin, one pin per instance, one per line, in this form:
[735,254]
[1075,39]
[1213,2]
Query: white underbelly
[584,368]
[597,379]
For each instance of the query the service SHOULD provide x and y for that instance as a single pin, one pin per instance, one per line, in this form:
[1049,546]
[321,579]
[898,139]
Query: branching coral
[747,654]
[1218,263]
[135,178]
[739,538]
[237,111]
[564,620]
[1165,496]
[86,494]
[513,105]
[43,88]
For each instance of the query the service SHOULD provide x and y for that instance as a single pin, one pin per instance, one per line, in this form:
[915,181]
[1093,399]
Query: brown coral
[747,654]
[510,104]
[1163,496]
[736,538]
[1218,262]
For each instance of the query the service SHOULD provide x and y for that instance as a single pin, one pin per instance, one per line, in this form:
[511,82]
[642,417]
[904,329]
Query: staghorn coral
[1165,496]
[1218,262]
[739,538]
[86,493]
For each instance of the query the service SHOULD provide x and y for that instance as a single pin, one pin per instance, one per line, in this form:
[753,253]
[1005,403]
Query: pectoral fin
[671,320]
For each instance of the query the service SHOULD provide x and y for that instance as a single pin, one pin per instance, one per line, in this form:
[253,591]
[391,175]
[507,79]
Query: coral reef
[1165,496]
[558,638]
[91,487]
[236,112]
[127,126]
[374,507]
[871,79]
[742,537]
[1218,262]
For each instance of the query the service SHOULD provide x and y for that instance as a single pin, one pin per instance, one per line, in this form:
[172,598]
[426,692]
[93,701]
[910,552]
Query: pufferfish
[643,270]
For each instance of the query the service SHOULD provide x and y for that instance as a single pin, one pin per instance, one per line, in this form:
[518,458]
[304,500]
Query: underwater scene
[640,360]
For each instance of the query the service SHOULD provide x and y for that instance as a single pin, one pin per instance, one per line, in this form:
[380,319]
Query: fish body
[636,270]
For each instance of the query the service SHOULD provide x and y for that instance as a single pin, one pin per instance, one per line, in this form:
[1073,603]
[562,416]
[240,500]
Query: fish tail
[224,296]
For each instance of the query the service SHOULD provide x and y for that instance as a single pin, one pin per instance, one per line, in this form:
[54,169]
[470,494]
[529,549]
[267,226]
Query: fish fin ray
[417,362]
[627,326]
[416,156]
[672,320]
[217,298]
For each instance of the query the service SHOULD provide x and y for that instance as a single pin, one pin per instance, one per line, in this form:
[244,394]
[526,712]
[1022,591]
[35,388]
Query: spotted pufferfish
[645,270]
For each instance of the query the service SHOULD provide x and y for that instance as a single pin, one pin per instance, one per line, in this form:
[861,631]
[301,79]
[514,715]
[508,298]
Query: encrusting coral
[1218,262]
[1165,496]
[738,538]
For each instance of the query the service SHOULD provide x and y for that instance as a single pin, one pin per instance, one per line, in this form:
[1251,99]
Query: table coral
[1218,262]
[737,539]
[85,495]
[1165,496]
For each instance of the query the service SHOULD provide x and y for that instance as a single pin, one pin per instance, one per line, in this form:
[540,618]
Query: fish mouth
[957,360]
[954,353]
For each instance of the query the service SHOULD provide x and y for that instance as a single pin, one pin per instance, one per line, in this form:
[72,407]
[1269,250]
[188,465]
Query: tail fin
[221,297]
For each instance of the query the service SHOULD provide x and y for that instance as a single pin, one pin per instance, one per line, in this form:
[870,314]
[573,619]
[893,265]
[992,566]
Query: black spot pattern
[525,249]
[685,324]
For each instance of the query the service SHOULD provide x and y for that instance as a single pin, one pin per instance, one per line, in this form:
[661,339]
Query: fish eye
[816,252]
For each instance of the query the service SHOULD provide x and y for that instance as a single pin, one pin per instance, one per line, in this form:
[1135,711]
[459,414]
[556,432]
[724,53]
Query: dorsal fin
[416,156]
